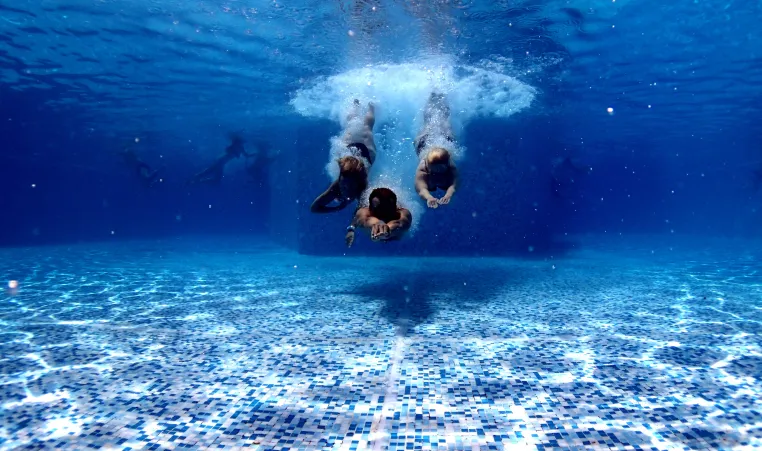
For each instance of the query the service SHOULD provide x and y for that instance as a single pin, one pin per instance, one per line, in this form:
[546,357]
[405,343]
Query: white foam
[400,91]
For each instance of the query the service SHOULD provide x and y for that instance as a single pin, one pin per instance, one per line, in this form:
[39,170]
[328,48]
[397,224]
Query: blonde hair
[350,165]
[438,155]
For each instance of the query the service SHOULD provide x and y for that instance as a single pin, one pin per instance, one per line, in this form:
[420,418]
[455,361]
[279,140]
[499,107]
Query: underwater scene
[380,225]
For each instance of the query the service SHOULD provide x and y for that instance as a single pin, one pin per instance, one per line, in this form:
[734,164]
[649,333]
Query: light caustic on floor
[144,347]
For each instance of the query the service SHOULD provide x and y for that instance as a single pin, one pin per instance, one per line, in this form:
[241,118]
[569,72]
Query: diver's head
[236,144]
[438,160]
[236,138]
[353,178]
[382,203]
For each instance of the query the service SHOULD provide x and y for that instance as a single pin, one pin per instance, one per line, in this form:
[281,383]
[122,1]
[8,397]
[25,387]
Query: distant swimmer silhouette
[383,218]
[564,175]
[436,169]
[354,166]
[259,165]
[214,173]
[757,180]
[147,176]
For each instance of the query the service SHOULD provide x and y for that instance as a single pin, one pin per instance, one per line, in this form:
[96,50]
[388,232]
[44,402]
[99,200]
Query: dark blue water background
[677,156]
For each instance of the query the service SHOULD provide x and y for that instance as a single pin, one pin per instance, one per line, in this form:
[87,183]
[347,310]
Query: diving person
[436,169]
[382,218]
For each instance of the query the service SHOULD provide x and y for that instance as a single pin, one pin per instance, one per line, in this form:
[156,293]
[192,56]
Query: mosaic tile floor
[240,346]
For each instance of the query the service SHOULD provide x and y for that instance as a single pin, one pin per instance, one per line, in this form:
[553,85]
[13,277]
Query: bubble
[610,110]
[13,284]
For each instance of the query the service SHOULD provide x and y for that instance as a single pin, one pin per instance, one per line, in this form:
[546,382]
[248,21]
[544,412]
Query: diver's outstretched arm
[422,186]
[399,226]
[154,177]
[211,174]
[320,205]
[452,188]
[363,219]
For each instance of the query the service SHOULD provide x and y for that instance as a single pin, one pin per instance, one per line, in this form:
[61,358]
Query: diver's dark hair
[383,194]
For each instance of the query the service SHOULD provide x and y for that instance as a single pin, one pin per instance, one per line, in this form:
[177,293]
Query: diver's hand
[445,199]
[433,202]
[379,231]
[350,238]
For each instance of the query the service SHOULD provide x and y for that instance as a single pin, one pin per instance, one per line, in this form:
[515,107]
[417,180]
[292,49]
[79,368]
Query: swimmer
[359,137]
[213,174]
[352,182]
[353,168]
[141,168]
[564,174]
[261,162]
[382,218]
[436,170]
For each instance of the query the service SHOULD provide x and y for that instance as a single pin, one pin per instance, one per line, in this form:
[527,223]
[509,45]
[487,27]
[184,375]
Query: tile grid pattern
[181,348]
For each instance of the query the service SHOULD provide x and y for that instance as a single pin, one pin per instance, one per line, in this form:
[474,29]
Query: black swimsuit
[364,151]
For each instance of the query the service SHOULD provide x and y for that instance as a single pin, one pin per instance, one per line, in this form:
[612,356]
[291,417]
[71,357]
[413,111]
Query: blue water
[616,309]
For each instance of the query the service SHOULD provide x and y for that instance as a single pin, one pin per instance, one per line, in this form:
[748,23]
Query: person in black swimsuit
[383,218]
[352,181]
[355,166]
[564,175]
[358,136]
[213,174]
[258,165]
[436,170]
[142,169]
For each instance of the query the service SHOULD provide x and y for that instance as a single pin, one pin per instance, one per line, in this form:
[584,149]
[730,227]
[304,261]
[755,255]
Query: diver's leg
[216,176]
[354,110]
[370,116]
[202,176]
[154,177]
[143,170]
[430,109]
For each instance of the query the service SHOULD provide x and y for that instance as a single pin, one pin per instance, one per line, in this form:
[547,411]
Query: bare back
[360,130]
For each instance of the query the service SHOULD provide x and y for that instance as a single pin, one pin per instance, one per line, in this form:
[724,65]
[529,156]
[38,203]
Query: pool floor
[188,344]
